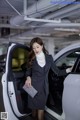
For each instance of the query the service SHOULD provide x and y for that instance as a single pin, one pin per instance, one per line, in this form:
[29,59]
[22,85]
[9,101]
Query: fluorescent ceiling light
[42,20]
[66,29]
[41,34]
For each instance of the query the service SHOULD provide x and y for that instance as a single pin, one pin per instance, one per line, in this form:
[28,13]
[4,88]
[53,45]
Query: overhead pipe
[58,14]
[67,25]
[45,6]
[77,25]
[12,26]
[47,28]
[64,12]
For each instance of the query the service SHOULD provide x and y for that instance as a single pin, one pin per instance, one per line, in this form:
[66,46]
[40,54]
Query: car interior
[19,60]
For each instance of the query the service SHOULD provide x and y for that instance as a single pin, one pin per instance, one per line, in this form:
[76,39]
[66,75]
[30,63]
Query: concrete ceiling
[64,13]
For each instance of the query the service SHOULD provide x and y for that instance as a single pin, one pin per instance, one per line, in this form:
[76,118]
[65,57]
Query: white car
[13,99]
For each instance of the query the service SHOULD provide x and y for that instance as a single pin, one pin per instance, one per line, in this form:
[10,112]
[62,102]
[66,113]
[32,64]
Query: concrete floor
[28,118]
[47,117]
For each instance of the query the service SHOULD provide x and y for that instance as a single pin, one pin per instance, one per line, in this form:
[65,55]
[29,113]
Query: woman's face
[37,48]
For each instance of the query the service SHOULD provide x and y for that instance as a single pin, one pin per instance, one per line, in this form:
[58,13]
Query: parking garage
[57,23]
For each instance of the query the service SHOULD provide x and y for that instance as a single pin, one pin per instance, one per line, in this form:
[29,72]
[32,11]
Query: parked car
[13,100]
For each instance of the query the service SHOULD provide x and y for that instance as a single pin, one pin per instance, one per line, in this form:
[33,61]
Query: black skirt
[38,102]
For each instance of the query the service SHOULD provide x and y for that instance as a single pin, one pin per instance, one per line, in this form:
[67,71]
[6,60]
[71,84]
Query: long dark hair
[31,54]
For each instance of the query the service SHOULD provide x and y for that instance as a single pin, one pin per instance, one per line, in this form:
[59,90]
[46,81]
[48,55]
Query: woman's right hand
[28,82]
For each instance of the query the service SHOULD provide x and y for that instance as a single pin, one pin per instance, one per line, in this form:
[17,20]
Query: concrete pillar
[50,46]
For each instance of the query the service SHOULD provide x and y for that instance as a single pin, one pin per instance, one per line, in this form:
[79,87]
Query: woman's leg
[34,114]
[40,114]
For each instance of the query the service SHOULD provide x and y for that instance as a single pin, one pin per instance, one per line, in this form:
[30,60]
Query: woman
[40,63]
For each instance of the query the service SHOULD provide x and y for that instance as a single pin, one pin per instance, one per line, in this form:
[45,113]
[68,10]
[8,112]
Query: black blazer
[37,73]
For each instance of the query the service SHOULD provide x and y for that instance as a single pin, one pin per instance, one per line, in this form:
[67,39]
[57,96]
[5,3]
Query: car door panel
[6,101]
[12,79]
[56,82]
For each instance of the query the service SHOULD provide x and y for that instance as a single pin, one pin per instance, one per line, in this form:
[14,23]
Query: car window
[56,83]
[68,61]
[19,58]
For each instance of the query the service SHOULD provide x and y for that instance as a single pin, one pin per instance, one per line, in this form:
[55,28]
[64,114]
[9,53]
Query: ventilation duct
[37,11]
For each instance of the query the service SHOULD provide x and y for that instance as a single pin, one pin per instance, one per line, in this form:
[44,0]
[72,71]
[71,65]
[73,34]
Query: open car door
[13,79]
